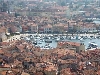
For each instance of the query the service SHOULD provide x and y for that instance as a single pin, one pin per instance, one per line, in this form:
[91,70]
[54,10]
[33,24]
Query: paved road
[66,34]
[24,35]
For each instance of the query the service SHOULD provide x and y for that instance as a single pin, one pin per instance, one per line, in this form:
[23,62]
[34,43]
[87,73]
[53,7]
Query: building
[34,28]
[78,47]
[48,29]
[25,28]
[19,28]
[2,34]
[71,25]
[13,29]
[85,27]
[58,28]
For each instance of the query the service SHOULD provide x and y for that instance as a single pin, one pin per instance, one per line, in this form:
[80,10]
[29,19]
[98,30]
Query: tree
[87,20]
[4,7]
[63,3]
[16,14]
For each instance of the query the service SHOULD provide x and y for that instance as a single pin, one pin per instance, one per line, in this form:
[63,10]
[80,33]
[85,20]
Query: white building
[87,29]
[48,29]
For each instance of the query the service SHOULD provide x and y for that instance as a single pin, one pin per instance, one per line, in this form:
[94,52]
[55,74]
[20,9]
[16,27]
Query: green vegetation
[3,6]
[16,14]
[63,3]
[88,20]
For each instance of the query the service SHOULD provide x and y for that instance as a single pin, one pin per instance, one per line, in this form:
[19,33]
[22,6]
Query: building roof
[47,26]
[69,43]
